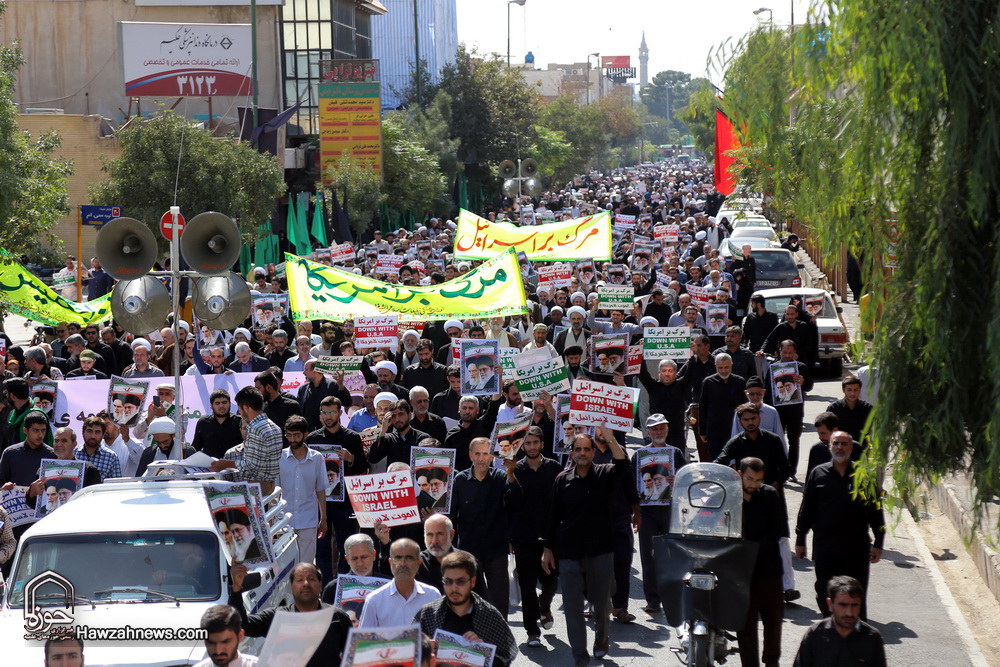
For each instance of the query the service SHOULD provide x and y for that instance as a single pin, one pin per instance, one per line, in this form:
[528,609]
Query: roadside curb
[987,559]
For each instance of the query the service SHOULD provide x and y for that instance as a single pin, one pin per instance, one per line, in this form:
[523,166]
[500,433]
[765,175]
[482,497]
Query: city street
[908,603]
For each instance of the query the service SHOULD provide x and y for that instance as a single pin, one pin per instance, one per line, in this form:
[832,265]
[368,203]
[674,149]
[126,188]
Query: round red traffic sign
[167,225]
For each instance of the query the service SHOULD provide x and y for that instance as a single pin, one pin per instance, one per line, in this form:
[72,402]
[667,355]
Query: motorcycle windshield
[731,561]
[707,501]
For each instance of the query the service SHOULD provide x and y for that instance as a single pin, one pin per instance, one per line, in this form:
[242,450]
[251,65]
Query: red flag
[725,140]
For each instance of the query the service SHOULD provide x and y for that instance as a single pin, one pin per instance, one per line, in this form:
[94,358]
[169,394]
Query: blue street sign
[96,216]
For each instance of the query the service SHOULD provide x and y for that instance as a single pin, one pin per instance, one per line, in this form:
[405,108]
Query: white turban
[387,365]
[411,332]
[244,331]
[576,309]
[453,323]
[143,342]
[385,396]
[162,426]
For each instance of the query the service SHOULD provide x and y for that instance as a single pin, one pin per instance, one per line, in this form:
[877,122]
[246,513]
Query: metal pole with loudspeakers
[520,178]
[210,244]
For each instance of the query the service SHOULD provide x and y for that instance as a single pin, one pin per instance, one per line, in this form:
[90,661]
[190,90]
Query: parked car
[776,267]
[754,232]
[730,246]
[833,336]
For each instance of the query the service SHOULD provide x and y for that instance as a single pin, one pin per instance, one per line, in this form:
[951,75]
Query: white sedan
[833,336]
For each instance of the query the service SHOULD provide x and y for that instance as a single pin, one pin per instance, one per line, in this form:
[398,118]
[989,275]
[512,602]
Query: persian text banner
[579,238]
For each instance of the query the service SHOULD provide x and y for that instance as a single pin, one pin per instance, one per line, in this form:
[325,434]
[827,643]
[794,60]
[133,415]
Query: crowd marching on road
[529,536]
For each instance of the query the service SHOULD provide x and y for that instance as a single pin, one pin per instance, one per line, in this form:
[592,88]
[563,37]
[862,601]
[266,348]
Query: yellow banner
[26,294]
[579,238]
[316,291]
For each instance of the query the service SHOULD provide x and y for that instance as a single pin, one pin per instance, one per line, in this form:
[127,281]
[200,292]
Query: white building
[394,47]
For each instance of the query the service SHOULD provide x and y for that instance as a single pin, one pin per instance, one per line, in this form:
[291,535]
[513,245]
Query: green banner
[25,294]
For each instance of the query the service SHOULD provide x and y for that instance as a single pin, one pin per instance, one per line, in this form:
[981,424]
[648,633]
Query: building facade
[395,48]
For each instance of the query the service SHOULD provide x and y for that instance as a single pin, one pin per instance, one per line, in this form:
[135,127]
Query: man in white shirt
[398,601]
[225,632]
[513,405]
[302,477]
[119,440]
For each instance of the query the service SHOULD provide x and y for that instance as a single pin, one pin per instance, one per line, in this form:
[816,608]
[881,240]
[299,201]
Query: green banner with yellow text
[580,238]
[316,291]
[26,294]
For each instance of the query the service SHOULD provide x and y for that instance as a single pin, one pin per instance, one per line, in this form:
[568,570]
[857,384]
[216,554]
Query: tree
[32,182]
[554,155]
[168,152]
[428,89]
[359,189]
[620,117]
[582,127]
[431,127]
[666,93]
[413,181]
[699,116]
[891,112]
[493,110]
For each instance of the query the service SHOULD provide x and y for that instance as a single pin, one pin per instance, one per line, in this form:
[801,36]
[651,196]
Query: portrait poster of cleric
[60,480]
[478,360]
[433,475]
[654,470]
[334,464]
[237,522]
[784,389]
[125,399]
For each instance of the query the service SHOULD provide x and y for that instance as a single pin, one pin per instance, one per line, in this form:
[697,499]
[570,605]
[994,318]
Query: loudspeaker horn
[211,243]
[508,169]
[528,168]
[126,248]
[510,188]
[533,186]
[140,306]
[221,302]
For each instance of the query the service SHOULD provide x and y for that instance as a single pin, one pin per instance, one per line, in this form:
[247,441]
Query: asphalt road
[906,603]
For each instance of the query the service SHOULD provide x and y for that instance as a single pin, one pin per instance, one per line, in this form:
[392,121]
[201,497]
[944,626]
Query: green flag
[302,244]
[245,259]
[318,226]
[261,249]
[291,232]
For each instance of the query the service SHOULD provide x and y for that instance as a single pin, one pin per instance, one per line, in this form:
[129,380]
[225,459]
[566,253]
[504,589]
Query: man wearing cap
[656,518]
[161,432]
[539,335]
[426,372]
[87,360]
[142,351]
[385,374]
[576,335]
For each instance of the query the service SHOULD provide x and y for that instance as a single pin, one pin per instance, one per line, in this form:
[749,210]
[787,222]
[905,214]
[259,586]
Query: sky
[680,35]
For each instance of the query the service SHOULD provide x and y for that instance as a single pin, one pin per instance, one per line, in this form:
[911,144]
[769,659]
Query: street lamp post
[509,3]
[770,14]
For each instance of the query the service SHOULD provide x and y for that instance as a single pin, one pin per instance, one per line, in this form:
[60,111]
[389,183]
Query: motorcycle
[703,565]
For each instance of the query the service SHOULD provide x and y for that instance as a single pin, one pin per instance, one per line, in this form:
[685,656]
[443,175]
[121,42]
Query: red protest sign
[598,404]
[376,331]
[387,497]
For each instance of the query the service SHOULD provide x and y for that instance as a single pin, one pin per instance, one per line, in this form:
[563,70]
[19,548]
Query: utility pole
[253,65]
[416,46]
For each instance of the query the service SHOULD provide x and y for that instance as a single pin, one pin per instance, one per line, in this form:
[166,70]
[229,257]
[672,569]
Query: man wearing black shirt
[216,433]
[851,410]
[471,424]
[278,406]
[744,361]
[306,585]
[757,443]
[791,415]
[843,638]
[439,535]
[422,419]
[699,366]
[758,324]
[395,444]
[479,498]
[579,536]
[721,393]
[317,387]
[280,352]
[426,373]
[666,397]
[763,523]
[338,513]
[462,611]
[804,334]
[445,403]
[529,506]
[839,522]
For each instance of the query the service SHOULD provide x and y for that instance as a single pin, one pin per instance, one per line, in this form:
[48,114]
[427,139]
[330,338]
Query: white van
[138,553]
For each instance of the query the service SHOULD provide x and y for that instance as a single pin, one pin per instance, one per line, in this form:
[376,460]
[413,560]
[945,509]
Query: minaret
[643,61]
